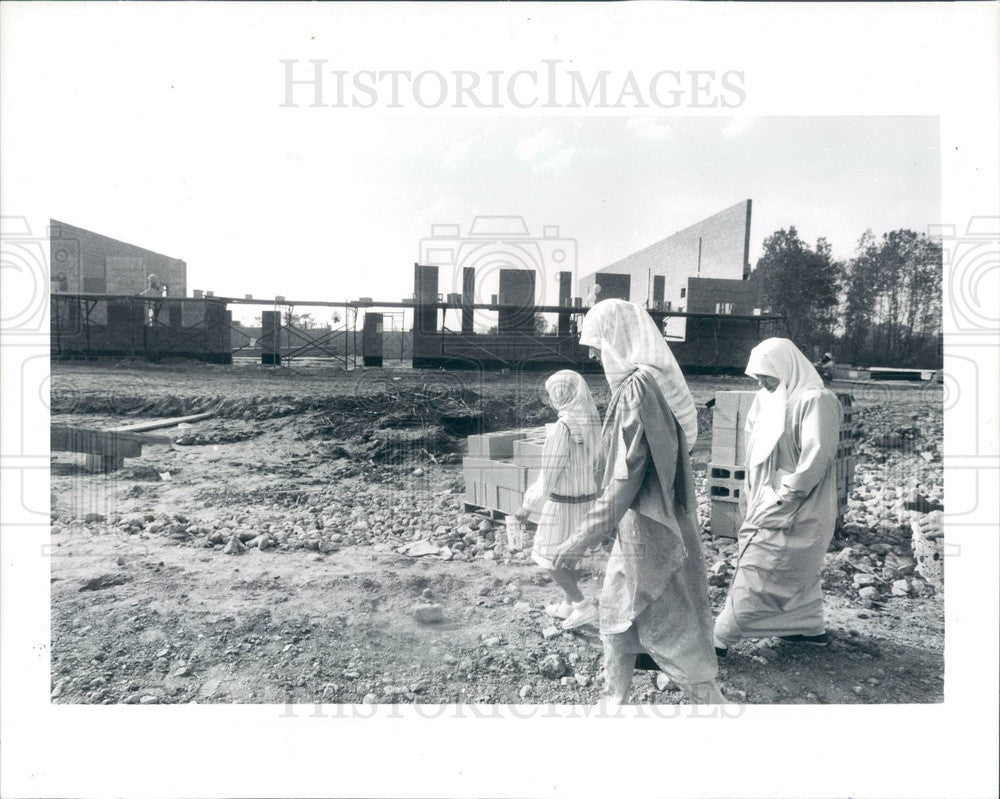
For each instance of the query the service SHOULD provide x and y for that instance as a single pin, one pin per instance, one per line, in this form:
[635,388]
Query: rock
[552,666]
[57,691]
[582,680]
[550,632]
[521,607]
[868,592]
[901,588]
[862,579]
[183,671]
[369,699]
[929,554]
[718,580]
[148,699]
[234,547]
[491,641]
[899,566]
[419,549]
[526,691]
[566,681]
[427,594]
[104,581]
[662,681]
[91,518]
[430,613]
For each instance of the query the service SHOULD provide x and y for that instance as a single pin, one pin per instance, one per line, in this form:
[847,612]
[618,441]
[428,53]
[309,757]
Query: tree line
[880,308]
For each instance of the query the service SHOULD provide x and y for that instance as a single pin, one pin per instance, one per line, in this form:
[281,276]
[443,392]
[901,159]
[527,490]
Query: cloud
[649,128]
[737,126]
[546,152]
[457,154]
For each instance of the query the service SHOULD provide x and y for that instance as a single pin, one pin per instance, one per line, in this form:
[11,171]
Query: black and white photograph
[397,381]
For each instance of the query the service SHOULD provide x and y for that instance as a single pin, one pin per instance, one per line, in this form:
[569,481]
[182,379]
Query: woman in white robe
[790,495]
[566,487]
[655,594]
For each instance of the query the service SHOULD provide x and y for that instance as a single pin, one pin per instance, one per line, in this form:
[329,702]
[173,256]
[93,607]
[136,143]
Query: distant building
[82,261]
[688,271]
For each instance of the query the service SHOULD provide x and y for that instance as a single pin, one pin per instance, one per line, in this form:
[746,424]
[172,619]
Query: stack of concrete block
[500,467]
[727,469]
[729,420]
[845,454]
[724,483]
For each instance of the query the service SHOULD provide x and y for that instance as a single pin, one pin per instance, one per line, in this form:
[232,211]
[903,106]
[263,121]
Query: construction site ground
[271,553]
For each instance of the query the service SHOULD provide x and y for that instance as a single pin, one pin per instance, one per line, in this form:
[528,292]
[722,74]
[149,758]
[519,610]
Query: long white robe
[566,471]
[655,594]
[791,512]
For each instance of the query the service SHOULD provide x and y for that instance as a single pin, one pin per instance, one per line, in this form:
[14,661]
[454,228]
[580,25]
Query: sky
[176,155]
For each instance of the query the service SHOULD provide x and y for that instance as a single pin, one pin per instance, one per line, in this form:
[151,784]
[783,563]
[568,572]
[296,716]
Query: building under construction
[450,329]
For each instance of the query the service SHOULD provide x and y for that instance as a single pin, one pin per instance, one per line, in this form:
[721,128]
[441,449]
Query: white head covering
[571,397]
[780,358]
[628,339]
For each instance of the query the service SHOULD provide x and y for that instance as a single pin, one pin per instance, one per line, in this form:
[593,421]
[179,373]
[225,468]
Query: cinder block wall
[93,263]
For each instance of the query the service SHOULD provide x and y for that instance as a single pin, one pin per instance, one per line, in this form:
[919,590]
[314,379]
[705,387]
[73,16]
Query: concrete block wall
[94,263]
[704,293]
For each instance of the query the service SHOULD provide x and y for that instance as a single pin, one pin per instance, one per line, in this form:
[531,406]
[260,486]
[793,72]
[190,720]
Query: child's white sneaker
[584,612]
[559,610]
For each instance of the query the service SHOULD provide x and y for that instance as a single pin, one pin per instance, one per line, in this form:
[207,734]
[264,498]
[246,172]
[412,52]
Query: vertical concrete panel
[468,297]
[372,339]
[270,339]
[565,298]
[425,290]
[614,286]
[517,290]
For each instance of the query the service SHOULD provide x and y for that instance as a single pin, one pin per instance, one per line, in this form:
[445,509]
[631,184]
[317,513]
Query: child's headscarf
[571,397]
[628,339]
[780,358]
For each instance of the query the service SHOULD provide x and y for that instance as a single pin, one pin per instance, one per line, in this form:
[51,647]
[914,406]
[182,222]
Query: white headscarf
[570,396]
[628,338]
[780,358]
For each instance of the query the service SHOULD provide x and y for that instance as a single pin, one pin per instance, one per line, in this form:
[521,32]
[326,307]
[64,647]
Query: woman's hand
[521,515]
[568,553]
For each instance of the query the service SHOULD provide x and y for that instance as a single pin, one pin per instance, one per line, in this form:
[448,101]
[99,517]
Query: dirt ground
[257,557]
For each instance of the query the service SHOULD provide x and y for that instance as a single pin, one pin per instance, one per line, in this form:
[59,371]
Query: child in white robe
[566,487]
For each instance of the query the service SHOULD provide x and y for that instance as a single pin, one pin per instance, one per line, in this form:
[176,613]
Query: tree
[892,308]
[303,321]
[541,325]
[802,284]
